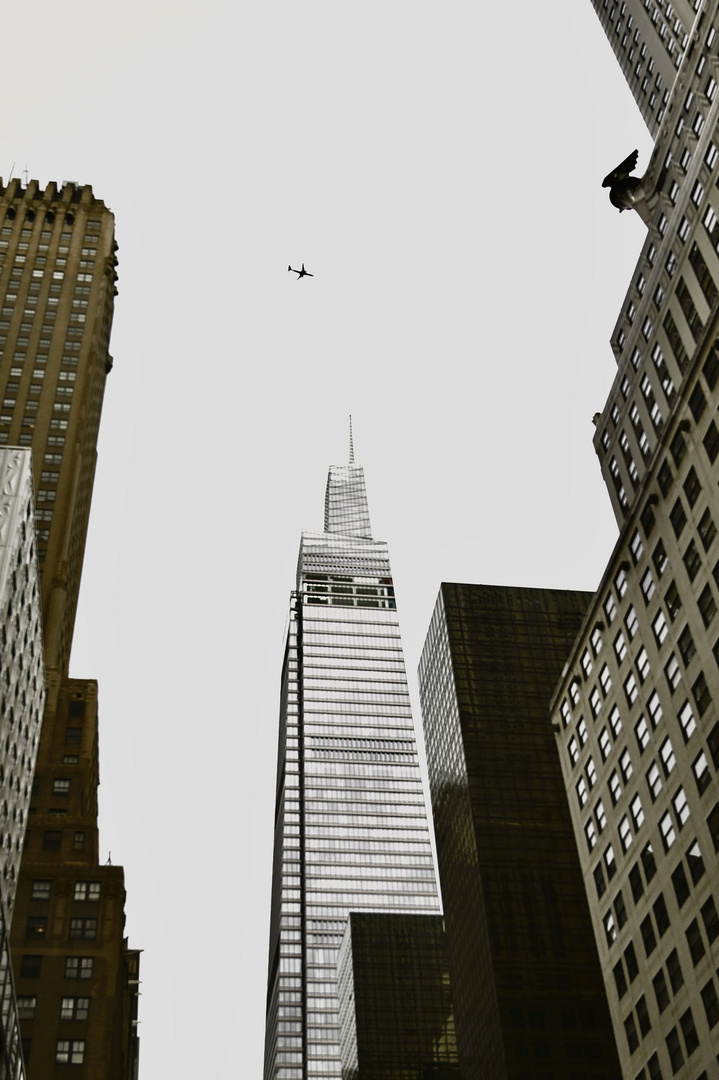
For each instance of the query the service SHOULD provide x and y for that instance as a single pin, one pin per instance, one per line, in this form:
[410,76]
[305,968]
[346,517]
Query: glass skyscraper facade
[351,830]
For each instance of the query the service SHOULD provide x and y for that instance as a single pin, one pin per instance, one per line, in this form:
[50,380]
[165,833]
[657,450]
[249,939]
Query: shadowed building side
[526,981]
[396,1014]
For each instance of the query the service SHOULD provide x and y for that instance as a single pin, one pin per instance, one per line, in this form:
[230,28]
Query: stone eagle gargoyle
[628,192]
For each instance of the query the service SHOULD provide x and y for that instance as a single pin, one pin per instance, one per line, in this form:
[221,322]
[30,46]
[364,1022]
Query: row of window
[76,967]
[84,890]
[85,929]
[71,1008]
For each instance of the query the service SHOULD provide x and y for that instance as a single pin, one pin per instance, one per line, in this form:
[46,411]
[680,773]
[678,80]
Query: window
[615,788]
[648,936]
[610,609]
[591,834]
[615,721]
[678,518]
[52,840]
[686,644]
[676,978]
[695,942]
[573,749]
[707,605]
[641,730]
[78,967]
[648,589]
[87,890]
[26,1007]
[610,862]
[599,880]
[36,926]
[600,815]
[631,621]
[620,646]
[582,731]
[631,1032]
[636,546]
[681,885]
[596,640]
[666,828]
[620,909]
[711,442]
[610,928]
[709,1001]
[625,765]
[643,1016]
[713,744]
[636,883]
[83,928]
[654,781]
[595,702]
[675,1051]
[660,558]
[625,833]
[655,709]
[605,744]
[40,890]
[30,967]
[692,559]
[665,478]
[630,689]
[564,710]
[692,487]
[702,697]
[695,863]
[70,1051]
[582,794]
[707,530]
[635,808]
[643,664]
[686,719]
[661,990]
[702,776]
[605,680]
[673,672]
[681,807]
[620,582]
[74,1008]
[620,979]
[586,663]
[673,601]
[61,787]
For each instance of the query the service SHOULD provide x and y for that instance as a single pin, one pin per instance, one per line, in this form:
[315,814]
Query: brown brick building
[76,979]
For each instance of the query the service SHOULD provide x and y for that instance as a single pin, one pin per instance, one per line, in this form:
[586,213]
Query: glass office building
[395,999]
[351,826]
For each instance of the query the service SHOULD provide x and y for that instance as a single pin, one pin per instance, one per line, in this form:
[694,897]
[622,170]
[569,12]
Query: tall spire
[352,448]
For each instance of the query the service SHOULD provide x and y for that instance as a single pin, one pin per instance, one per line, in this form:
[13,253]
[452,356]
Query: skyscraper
[527,987]
[636,708]
[396,1015]
[649,40]
[22,697]
[76,979]
[351,831]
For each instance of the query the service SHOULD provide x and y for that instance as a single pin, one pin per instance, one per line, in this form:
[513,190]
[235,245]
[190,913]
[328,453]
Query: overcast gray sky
[438,168]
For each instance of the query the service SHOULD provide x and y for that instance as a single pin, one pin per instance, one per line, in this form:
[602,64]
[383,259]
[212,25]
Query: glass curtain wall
[351,826]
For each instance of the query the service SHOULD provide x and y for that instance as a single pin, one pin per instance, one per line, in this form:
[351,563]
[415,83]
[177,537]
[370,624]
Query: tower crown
[346,509]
